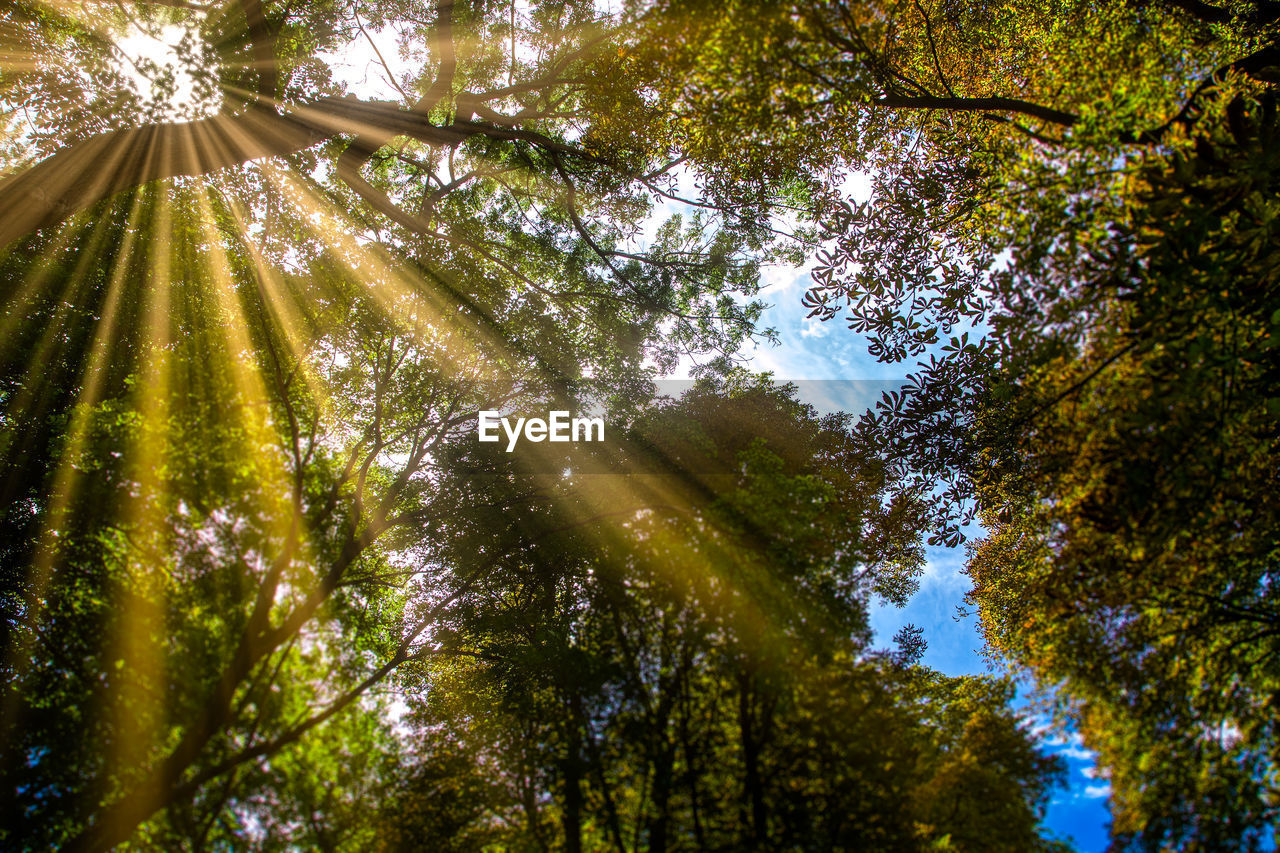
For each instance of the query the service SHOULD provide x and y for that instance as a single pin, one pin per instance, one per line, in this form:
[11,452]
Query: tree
[269,316]
[692,669]
[1072,233]
[226,398]
[204,526]
[1159,532]
[228,384]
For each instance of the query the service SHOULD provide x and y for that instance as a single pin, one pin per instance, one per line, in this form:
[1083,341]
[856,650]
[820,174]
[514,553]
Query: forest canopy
[262,588]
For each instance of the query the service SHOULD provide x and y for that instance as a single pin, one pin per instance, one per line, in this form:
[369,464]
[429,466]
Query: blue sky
[813,350]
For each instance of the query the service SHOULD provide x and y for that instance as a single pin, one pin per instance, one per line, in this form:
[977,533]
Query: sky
[849,379]
[809,349]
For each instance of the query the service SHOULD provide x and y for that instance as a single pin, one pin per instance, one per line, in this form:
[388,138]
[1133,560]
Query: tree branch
[262,43]
[87,172]
[991,104]
[1264,12]
[364,145]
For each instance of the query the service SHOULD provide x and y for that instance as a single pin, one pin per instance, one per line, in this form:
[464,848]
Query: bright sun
[164,63]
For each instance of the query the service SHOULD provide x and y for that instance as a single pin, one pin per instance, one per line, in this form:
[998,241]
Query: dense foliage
[698,675]
[260,586]
[1072,240]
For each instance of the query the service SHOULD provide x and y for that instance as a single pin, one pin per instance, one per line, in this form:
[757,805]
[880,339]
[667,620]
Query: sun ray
[68,470]
[237,349]
[282,302]
[142,584]
[391,284]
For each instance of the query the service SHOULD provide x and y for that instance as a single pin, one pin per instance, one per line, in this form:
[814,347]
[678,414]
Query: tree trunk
[749,734]
[572,771]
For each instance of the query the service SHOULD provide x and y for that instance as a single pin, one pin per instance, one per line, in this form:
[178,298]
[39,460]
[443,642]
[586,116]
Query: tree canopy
[261,587]
[1072,237]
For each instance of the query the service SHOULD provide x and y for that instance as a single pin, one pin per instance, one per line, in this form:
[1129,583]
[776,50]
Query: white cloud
[780,278]
[814,328]
[1079,753]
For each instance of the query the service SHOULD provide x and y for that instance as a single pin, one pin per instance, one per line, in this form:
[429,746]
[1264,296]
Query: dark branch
[87,172]
[978,105]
